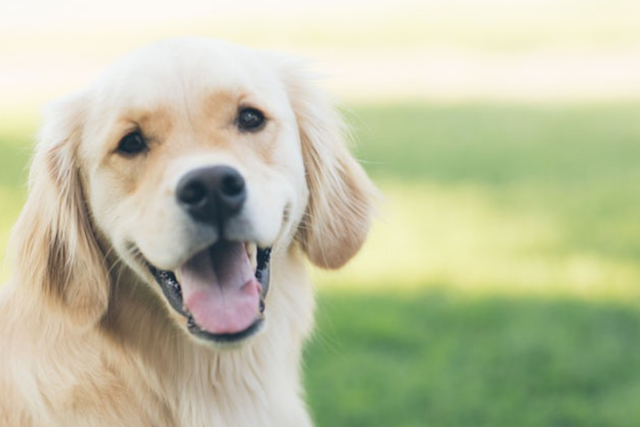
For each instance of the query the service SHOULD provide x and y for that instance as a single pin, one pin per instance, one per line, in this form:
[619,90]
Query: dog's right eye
[132,144]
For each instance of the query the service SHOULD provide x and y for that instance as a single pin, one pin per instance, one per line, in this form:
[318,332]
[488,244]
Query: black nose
[212,194]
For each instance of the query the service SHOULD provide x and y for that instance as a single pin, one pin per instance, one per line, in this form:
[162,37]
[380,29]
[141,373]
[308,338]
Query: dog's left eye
[250,119]
[132,144]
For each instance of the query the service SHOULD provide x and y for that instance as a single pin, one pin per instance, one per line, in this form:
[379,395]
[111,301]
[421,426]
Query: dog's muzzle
[220,290]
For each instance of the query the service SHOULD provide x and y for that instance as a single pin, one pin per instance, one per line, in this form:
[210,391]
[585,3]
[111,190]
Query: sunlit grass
[11,202]
[16,140]
[500,286]
[502,198]
[476,242]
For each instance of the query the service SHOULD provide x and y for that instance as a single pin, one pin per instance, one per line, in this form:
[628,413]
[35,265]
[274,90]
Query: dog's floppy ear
[338,214]
[55,249]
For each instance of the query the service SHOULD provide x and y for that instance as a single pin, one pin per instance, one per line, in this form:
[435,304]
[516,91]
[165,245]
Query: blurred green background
[501,282]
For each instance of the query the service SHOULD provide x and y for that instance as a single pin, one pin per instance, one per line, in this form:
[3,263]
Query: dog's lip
[196,330]
[172,291]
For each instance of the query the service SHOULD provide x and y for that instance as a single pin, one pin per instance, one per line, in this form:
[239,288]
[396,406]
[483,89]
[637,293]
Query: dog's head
[191,161]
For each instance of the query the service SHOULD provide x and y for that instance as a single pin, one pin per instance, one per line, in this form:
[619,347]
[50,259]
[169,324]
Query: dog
[158,265]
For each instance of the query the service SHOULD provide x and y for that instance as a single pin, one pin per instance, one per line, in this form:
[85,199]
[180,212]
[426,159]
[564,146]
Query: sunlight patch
[468,238]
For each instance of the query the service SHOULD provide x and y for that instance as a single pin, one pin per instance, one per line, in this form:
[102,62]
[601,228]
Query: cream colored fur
[86,338]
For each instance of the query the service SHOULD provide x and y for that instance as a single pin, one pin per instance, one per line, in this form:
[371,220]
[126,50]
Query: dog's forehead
[170,70]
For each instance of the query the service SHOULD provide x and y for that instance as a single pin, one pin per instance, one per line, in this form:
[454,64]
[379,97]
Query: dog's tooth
[252,250]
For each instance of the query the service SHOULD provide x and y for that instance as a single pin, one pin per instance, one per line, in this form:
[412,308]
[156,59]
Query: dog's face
[194,160]
[194,171]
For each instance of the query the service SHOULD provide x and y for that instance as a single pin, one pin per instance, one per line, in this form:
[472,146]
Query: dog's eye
[250,119]
[132,144]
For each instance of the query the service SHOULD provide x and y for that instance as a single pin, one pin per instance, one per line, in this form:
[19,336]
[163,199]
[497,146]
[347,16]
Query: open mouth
[221,290]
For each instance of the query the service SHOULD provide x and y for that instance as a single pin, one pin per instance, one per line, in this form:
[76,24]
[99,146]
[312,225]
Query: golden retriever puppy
[158,264]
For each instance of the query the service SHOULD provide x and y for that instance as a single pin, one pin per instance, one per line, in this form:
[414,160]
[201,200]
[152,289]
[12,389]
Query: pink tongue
[219,289]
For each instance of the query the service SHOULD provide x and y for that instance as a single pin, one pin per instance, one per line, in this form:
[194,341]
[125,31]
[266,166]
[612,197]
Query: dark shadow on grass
[435,359]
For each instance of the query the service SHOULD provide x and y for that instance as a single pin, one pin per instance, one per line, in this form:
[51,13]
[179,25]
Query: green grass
[515,198]
[501,283]
[14,155]
[435,359]
[501,144]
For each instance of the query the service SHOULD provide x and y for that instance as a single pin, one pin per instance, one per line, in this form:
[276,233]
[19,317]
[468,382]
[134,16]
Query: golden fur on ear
[338,214]
[54,246]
